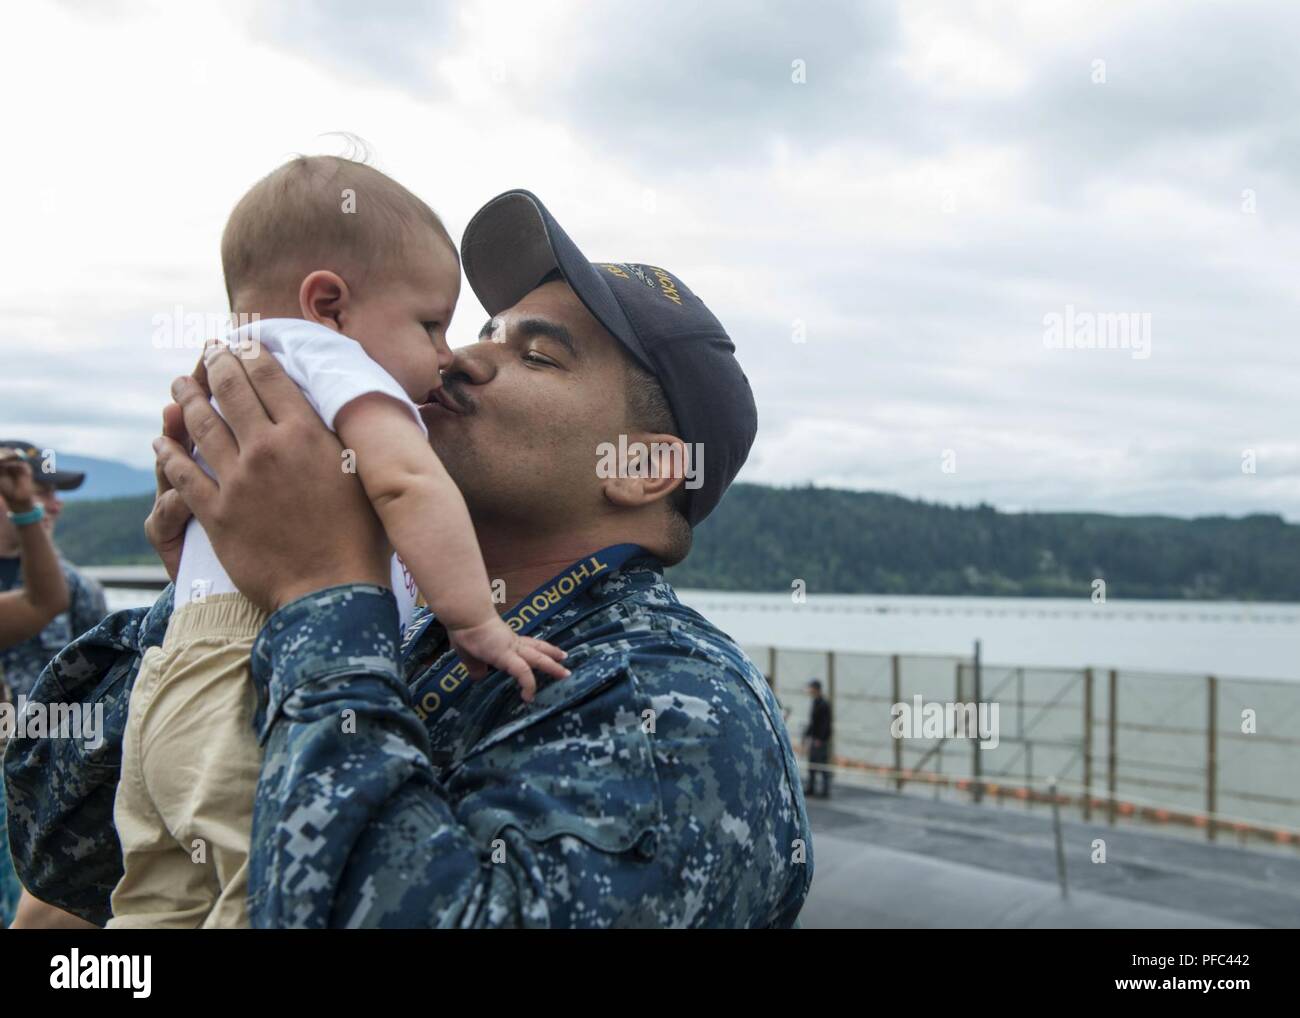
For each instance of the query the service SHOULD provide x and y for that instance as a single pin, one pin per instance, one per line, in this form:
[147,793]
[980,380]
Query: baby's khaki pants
[190,761]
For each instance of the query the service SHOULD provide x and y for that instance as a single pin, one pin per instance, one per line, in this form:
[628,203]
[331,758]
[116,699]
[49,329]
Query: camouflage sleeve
[642,790]
[60,782]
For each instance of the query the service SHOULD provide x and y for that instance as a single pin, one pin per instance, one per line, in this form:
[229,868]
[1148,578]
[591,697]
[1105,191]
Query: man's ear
[644,469]
[323,298]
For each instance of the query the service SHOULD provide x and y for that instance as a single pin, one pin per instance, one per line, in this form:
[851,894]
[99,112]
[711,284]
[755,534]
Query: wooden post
[956,698]
[976,784]
[1020,704]
[1060,842]
[830,695]
[1020,734]
[1212,759]
[1110,757]
[1029,773]
[896,687]
[1087,744]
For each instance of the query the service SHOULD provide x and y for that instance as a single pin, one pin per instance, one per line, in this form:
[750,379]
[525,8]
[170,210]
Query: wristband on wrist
[32,515]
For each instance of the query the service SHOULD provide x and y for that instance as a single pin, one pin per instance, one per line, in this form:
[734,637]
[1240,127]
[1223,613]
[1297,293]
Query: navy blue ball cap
[61,480]
[513,242]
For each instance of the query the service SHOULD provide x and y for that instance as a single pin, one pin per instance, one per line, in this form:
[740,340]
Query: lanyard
[525,617]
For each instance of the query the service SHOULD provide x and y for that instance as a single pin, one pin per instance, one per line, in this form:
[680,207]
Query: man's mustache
[454,396]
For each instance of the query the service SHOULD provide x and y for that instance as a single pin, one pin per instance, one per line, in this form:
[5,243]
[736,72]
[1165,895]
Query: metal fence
[1214,756]
[1207,754]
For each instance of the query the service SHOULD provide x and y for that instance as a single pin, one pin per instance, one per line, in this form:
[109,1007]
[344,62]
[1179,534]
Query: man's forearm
[329,692]
[42,575]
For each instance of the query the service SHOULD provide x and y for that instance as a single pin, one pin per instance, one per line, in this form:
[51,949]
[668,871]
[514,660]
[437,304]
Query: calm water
[1208,637]
[1220,638]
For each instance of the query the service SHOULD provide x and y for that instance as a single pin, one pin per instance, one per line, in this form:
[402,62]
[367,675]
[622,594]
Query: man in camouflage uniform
[655,786]
[21,663]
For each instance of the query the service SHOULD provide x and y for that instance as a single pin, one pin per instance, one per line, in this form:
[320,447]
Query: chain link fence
[1216,757]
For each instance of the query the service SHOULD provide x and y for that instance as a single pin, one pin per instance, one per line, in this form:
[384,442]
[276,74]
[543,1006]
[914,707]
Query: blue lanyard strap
[526,616]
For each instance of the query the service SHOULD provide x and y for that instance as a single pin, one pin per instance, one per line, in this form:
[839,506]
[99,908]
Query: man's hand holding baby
[284,519]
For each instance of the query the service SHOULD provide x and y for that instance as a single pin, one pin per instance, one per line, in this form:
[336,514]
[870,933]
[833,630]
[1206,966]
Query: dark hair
[648,410]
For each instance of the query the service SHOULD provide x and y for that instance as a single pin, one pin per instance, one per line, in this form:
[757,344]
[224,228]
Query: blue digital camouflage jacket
[655,786]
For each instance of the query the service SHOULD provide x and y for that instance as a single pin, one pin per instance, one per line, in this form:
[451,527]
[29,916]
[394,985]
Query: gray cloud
[690,84]
[388,41]
[821,202]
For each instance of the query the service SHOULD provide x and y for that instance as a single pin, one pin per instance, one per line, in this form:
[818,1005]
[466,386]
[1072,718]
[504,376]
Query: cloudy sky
[884,202]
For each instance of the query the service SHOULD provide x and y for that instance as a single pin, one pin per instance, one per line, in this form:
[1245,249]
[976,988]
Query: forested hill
[763,538]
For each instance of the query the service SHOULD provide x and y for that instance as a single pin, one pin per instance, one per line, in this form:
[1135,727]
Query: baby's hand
[494,645]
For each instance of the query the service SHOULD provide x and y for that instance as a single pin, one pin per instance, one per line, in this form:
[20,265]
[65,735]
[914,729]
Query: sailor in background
[817,742]
[22,663]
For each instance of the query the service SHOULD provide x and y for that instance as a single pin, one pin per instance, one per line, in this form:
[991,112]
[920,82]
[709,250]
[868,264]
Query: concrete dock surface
[886,860]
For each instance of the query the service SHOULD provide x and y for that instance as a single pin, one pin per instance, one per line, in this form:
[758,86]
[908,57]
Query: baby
[353,281]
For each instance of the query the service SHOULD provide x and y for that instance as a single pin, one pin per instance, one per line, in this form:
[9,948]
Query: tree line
[851,542]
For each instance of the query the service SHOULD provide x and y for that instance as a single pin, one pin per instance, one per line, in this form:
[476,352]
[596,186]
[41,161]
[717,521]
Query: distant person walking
[817,742]
[23,612]
[22,662]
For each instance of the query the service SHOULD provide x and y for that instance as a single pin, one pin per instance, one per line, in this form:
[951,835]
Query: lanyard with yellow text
[435,693]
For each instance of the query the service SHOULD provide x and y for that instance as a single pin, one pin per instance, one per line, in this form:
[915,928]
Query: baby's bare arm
[420,507]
